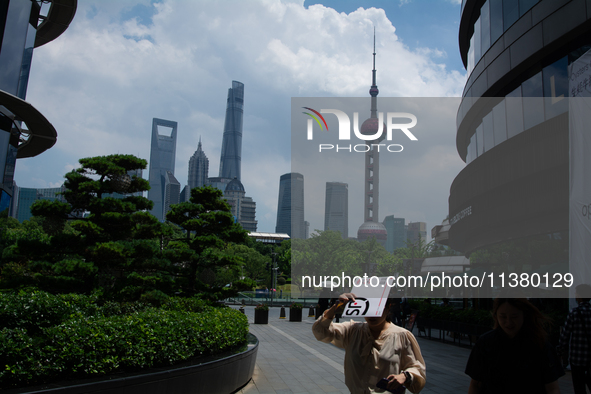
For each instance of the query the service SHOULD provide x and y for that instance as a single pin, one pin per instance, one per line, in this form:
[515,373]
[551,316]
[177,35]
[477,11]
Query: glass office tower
[162,158]
[336,208]
[290,206]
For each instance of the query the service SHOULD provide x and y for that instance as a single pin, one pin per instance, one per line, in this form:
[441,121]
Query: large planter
[295,314]
[223,373]
[261,316]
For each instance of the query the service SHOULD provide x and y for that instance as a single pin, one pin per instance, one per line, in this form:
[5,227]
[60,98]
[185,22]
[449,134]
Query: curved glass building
[24,131]
[512,198]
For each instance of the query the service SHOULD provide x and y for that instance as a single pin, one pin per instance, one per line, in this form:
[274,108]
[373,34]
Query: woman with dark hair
[374,350]
[516,356]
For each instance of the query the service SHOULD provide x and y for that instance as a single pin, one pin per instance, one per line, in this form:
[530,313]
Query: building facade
[336,208]
[416,231]
[28,196]
[24,131]
[162,160]
[230,159]
[172,192]
[290,206]
[396,229]
[513,126]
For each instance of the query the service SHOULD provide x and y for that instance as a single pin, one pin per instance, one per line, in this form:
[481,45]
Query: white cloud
[105,78]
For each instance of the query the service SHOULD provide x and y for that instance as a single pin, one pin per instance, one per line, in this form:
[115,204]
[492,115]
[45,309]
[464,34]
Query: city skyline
[120,65]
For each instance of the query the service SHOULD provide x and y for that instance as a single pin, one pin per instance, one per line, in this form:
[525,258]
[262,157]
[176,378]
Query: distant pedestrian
[396,312]
[575,340]
[515,357]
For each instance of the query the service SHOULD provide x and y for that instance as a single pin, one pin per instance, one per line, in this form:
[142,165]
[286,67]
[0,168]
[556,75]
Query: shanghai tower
[232,139]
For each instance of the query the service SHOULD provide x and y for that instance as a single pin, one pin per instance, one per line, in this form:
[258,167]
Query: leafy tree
[326,253]
[253,266]
[209,269]
[97,240]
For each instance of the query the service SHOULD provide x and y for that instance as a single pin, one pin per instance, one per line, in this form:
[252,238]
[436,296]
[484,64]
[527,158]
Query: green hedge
[80,345]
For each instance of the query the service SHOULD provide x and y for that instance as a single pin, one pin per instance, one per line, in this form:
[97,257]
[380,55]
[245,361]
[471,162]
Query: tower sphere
[370,127]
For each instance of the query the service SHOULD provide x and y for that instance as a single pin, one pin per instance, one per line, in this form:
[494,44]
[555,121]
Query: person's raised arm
[343,299]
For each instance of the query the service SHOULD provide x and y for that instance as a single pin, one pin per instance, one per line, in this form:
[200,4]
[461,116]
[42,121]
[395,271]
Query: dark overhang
[58,18]
[41,133]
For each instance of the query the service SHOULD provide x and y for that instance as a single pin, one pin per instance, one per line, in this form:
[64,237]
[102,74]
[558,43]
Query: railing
[458,331]
[248,298]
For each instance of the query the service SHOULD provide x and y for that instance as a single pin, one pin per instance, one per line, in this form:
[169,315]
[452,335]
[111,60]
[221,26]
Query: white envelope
[370,298]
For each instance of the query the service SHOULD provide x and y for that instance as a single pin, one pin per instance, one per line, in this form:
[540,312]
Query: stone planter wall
[225,374]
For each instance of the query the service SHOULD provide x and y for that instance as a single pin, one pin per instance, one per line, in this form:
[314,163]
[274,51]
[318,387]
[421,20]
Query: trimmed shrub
[68,341]
[35,310]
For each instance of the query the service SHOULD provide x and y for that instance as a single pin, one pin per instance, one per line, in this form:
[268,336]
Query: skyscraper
[371,226]
[232,140]
[198,168]
[396,233]
[162,158]
[172,191]
[290,206]
[336,208]
[416,231]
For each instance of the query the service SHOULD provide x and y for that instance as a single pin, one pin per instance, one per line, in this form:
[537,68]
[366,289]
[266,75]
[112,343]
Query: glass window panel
[471,56]
[13,42]
[556,88]
[479,141]
[477,43]
[514,111]
[485,28]
[488,131]
[496,20]
[533,101]
[26,63]
[525,5]
[471,149]
[500,122]
[510,13]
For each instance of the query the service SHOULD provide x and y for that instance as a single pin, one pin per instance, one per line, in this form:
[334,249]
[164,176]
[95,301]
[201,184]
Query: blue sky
[122,63]
[430,24]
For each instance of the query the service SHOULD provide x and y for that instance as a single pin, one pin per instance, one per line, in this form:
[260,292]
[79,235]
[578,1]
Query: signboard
[370,297]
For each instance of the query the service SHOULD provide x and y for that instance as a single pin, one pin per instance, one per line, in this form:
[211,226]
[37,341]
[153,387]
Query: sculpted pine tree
[110,241]
[212,271]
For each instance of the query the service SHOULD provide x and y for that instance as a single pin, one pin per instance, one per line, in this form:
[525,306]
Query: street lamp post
[274,277]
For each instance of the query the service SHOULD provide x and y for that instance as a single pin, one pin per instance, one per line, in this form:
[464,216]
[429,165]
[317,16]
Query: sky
[122,63]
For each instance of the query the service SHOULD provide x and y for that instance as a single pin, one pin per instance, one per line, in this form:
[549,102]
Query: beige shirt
[368,361]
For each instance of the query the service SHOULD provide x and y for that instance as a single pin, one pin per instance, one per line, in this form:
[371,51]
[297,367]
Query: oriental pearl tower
[371,226]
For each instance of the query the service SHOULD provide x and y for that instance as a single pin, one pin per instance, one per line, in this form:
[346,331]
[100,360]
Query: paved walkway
[290,360]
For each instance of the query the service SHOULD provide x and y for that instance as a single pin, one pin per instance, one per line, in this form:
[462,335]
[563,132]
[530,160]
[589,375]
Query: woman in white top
[374,350]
